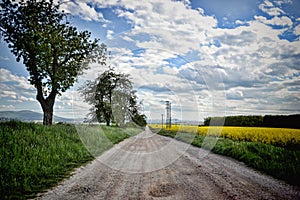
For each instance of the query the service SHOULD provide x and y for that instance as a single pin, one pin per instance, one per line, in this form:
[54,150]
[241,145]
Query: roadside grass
[279,162]
[36,157]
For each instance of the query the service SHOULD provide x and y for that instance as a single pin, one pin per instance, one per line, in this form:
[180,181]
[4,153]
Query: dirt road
[149,166]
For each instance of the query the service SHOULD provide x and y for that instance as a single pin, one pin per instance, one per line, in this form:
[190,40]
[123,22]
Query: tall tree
[112,98]
[53,51]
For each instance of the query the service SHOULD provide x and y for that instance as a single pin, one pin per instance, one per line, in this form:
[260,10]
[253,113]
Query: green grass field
[35,157]
[279,162]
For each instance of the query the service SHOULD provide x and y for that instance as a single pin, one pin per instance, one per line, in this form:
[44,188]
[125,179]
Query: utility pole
[168,110]
[162,121]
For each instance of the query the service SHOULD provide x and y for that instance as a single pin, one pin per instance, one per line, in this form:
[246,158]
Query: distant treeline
[277,121]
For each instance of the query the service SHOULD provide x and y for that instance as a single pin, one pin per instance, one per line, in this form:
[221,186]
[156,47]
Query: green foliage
[36,157]
[282,121]
[279,162]
[278,121]
[245,121]
[53,51]
[113,99]
[139,120]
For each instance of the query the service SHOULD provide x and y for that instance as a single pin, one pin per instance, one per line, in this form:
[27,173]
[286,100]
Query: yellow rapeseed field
[275,136]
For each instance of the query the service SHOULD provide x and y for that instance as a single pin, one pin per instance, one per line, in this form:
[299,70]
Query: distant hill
[27,115]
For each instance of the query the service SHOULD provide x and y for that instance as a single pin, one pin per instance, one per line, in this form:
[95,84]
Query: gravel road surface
[149,166]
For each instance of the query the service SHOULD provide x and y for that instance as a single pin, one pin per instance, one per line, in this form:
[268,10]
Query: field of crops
[283,137]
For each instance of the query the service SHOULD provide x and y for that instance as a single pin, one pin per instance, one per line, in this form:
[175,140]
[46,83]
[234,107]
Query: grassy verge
[36,157]
[279,162]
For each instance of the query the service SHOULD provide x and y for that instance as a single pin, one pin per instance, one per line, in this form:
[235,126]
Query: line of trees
[277,121]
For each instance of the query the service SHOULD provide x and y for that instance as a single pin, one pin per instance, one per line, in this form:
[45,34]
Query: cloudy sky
[208,57]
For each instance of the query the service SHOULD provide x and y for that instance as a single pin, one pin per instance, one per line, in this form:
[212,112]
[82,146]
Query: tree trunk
[47,106]
[48,115]
[107,122]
